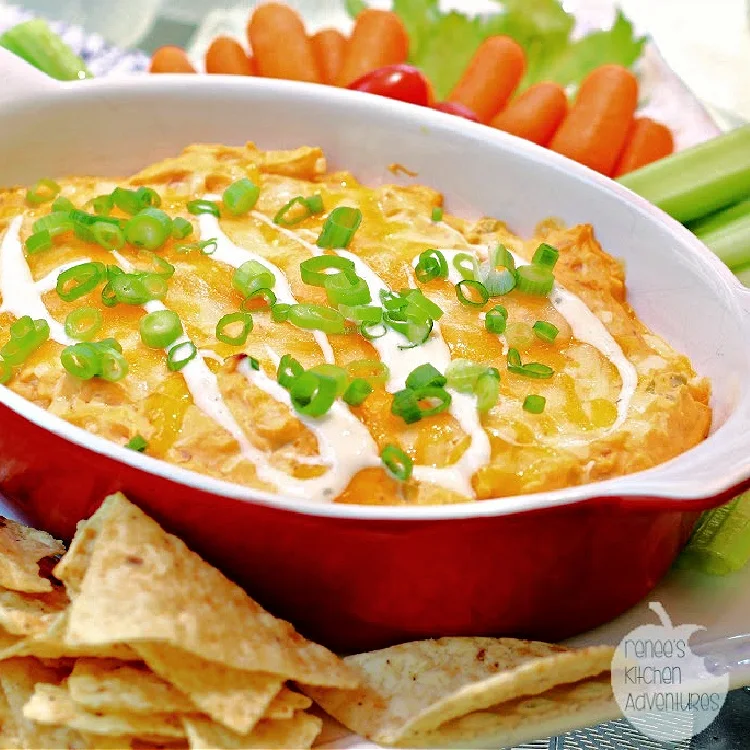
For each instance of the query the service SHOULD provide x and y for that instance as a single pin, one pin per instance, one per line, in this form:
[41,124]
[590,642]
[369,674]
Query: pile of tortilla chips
[145,645]
[133,641]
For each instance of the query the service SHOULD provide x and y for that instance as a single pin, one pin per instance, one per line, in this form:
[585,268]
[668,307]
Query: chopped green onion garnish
[137,443]
[251,276]
[260,299]
[61,203]
[179,356]
[280,312]
[161,267]
[26,336]
[109,236]
[113,367]
[6,371]
[82,361]
[531,370]
[362,313]
[479,293]
[42,191]
[437,214]
[287,216]
[466,265]
[340,227]
[342,289]
[82,223]
[519,335]
[198,207]
[393,300]
[207,247]
[496,320]
[160,329]
[245,320]
[181,228]
[431,265]
[372,331]
[358,390]
[56,223]
[318,318]
[406,403]
[240,197]
[83,323]
[547,332]
[535,279]
[501,257]
[534,404]
[254,364]
[38,242]
[136,288]
[333,372]
[372,370]
[426,307]
[499,282]
[312,394]
[487,390]
[398,464]
[316,271]
[79,280]
[288,371]
[425,375]
[462,375]
[150,228]
[102,205]
[545,255]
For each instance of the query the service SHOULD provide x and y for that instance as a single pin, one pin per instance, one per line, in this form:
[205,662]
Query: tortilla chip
[235,699]
[18,678]
[21,548]
[52,704]
[10,736]
[297,732]
[113,687]
[143,584]
[54,644]
[103,742]
[286,704]
[71,569]
[559,710]
[30,614]
[421,685]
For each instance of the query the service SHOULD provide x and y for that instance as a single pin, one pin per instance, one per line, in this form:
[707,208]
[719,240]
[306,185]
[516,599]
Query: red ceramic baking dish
[543,566]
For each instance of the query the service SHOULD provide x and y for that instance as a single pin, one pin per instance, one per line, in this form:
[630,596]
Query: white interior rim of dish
[646,484]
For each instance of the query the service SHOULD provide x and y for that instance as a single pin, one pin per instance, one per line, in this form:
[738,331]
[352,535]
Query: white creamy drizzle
[20,294]
[586,327]
[49,282]
[400,362]
[227,252]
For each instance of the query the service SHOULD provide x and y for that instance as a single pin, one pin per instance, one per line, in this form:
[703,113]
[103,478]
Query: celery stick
[743,274]
[700,180]
[35,43]
[727,233]
[721,542]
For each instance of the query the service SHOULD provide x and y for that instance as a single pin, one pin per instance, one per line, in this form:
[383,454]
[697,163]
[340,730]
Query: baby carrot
[648,141]
[280,45]
[490,77]
[536,114]
[329,46]
[227,55]
[596,128]
[378,39]
[170,60]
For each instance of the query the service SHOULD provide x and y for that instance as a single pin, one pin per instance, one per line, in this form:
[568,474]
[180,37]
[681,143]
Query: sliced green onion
[534,404]
[487,390]
[207,247]
[437,214]
[417,332]
[61,203]
[109,236]
[362,313]
[38,242]
[318,318]
[102,205]
[501,257]
[6,371]
[499,282]
[149,197]
[431,265]
[198,207]
[466,265]
[280,312]
[109,298]
[137,443]
[424,376]
[462,375]
[333,372]
[316,271]
[476,288]
[519,335]
[160,329]
[42,191]
[83,323]
[372,370]
[288,217]
[179,356]
[398,464]
[415,299]
[82,361]
[231,320]
[547,332]
[545,255]
[113,365]
[240,197]
[536,280]
[82,223]
[514,358]
[109,344]
[254,364]
[133,201]
[357,392]
[79,280]
[56,222]
[137,289]
[150,228]
[288,371]
[341,289]
[340,227]
[495,322]
[181,228]
[406,406]
[531,370]
[26,336]
[260,299]
[251,276]
[312,394]
[406,403]
[372,331]
[393,300]
[161,267]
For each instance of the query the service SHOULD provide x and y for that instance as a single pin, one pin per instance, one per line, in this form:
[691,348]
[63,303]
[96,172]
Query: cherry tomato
[402,82]
[452,108]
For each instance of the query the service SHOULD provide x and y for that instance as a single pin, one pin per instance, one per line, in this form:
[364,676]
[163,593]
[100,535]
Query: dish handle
[21,80]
